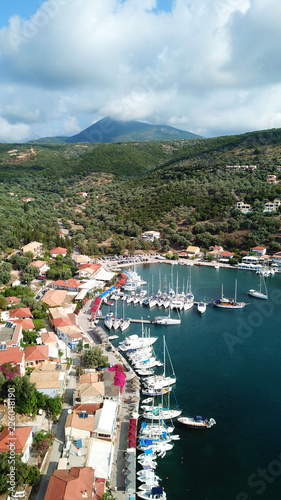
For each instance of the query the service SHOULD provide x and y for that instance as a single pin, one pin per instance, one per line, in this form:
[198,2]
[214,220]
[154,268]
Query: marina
[217,358]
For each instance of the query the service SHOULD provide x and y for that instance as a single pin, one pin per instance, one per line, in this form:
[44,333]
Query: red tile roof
[227,254]
[58,250]
[11,355]
[72,283]
[19,438]
[258,248]
[59,322]
[93,267]
[70,484]
[12,300]
[48,337]
[26,324]
[36,352]
[20,312]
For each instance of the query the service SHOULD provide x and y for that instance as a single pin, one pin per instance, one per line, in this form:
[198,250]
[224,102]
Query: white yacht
[136,342]
[201,307]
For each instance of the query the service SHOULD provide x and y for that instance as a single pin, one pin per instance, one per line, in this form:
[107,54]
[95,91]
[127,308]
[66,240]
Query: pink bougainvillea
[9,370]
[120,377]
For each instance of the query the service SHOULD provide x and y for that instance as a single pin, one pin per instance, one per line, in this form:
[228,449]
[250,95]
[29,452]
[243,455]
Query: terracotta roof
[11,355]
[58,250]
[14,300]
[71,484]
[48,337]
[258,248]
[36,352]
[90,408]
[227,254]
[38,263]
[72,283]
[61,322]
[20,312]
[95,389]
[26,324]
[54,297]
[84,424]
[19,438]
[92,267]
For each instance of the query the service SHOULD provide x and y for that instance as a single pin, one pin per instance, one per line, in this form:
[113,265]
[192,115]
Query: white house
[259,251]
[245,208]
[22,441]
[150,236]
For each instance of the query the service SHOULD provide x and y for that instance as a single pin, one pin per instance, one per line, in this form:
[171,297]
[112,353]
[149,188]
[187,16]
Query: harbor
[217,358]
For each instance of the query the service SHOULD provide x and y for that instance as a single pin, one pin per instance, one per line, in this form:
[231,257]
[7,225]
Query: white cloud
[207,65]
[13,133]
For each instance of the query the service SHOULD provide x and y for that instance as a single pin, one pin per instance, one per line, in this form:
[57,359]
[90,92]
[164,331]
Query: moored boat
[197,422]
[227,303]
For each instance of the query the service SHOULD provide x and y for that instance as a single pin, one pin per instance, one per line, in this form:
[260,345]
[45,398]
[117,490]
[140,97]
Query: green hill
[182,188]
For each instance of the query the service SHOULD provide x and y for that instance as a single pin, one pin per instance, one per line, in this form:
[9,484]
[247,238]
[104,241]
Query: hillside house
[150,236]
[226,256]
[272,206]
[42,267]
[271,179]
[259,251]
[193,251]
[245,208]
[88,270]
[276,259]
[58,251]
[34,247]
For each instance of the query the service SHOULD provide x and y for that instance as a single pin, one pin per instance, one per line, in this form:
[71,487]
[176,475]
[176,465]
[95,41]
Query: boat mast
[235,292]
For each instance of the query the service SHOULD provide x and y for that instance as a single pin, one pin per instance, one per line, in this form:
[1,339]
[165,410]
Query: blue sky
[23,8]
[26,8]
[212,67]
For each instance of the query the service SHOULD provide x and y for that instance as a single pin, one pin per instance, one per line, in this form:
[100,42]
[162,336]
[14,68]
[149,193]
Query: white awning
[100,457]
[105,418]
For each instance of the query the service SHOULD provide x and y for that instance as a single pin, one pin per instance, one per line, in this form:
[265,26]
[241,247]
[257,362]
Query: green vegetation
[180,188]
[94,357]
[24,474]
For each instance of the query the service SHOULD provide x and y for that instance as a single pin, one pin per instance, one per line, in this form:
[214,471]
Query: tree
[3,302]
[54,405]
[79,347]
[94,357]
[24,474]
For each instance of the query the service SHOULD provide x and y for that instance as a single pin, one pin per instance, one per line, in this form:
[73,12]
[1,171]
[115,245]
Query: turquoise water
[228,367]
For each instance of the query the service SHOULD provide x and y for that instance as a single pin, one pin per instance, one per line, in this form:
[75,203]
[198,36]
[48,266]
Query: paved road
[55,454]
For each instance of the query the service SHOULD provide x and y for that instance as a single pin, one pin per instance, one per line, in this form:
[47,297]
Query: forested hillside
[181,188]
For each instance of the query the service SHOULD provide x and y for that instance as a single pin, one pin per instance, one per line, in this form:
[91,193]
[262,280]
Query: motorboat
[150,391]
[201,307]
[197,422]
[155,493]
[136,342]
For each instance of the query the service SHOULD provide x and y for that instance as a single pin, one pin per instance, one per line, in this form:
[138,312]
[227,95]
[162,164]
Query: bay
[228,367]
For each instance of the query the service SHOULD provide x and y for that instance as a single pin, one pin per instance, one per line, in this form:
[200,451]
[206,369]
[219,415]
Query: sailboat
[158,382]
[258,294]
[117,321]
[125,322]
[227,303]
[167,320]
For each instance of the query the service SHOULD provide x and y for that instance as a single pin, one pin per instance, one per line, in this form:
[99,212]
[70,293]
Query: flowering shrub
[120,377]
[9,370]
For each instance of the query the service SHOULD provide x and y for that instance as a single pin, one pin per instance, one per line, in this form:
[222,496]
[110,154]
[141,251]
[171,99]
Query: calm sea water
[228,367]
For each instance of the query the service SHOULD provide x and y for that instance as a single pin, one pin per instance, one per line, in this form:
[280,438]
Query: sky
[212,67]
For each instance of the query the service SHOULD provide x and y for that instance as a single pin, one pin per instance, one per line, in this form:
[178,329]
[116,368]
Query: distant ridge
[109,130]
